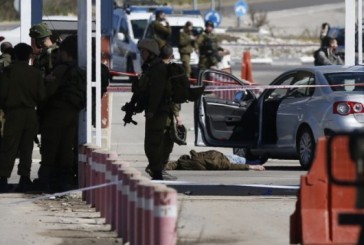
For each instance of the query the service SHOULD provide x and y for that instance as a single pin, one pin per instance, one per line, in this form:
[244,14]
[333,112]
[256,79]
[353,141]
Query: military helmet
[166,51]
[209,23]
[179,134]
[40,31]
[149,44]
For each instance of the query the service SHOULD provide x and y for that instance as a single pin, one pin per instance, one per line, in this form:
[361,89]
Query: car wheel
[242,152]
[306,148]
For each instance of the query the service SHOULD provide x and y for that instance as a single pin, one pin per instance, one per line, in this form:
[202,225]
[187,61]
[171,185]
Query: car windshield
[138,27]
[353,81]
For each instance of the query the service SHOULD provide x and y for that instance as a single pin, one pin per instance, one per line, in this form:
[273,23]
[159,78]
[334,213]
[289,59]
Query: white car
[127,30]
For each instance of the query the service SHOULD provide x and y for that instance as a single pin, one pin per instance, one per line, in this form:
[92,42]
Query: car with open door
[286,120]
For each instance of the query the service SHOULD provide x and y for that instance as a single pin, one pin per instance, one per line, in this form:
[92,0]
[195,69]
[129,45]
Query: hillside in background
[51,7]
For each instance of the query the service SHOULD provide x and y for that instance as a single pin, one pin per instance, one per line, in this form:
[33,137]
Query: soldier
[327,55]
[210,160]
[174,117]
[66,96]
[160,29]
[41,36]
[186,46]
[21,89]
[149,95]
[209,50]
[6,54]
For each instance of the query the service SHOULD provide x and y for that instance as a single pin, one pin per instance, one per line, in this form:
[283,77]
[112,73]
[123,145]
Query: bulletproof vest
[209,45]
[46,61]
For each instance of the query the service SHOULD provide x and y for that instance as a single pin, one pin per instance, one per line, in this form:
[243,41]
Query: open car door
[226,114]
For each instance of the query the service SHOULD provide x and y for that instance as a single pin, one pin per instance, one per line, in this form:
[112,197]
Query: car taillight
[348,107]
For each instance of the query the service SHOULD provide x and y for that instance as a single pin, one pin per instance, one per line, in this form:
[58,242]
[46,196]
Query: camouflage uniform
[208,49]
[208,160]
[160,32]
[6,55]
[59,126]
[47,59]
[22,88]
[151,92]
[66,96]
[186,46]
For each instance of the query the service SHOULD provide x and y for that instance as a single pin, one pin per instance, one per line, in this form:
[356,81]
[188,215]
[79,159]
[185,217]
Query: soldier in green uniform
[208,47]
[21,89]
[166,54]
[210,160]
[66,96]
[150,95]
[186,46]
[160,29]
[6,54]
[41,35]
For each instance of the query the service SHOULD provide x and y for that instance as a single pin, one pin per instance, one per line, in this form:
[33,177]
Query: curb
[197,189]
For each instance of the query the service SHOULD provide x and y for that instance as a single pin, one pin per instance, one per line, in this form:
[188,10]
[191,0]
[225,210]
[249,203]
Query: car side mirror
[121,36]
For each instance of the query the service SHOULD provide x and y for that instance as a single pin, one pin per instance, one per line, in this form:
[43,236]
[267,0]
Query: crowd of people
[42,91]
[44,98]
[150,92]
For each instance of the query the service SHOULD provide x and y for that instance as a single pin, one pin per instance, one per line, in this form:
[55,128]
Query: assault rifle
[130,111]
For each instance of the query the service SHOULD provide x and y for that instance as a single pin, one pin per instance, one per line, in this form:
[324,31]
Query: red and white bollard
[133,208]
[144,212]
[165,216]
[82,168]
[88,171]
[126,176]
[115,178]
[108,190]
[120,197]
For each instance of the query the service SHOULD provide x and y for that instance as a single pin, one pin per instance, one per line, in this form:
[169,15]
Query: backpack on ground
[181,91]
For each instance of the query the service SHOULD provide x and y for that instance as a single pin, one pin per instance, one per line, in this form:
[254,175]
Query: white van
[128,28]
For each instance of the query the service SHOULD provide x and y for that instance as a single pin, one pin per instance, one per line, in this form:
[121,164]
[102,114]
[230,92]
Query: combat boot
[168,176]
[157,175]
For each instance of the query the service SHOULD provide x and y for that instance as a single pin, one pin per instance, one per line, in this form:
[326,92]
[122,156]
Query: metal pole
[84,61]
[194,4]
[98,71]
[349,32]
[213,4]
[360,31]
[25,20]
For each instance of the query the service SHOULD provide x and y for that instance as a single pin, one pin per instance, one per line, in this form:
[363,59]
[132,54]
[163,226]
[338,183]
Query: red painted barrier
[319,202]
[165,216]
[109,191]
[120,197]
[88,171]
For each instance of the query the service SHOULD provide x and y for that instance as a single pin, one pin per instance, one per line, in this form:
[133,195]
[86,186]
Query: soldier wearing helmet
[6,56]
[208,47]
[149,95]
[41,38]
[160,29]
